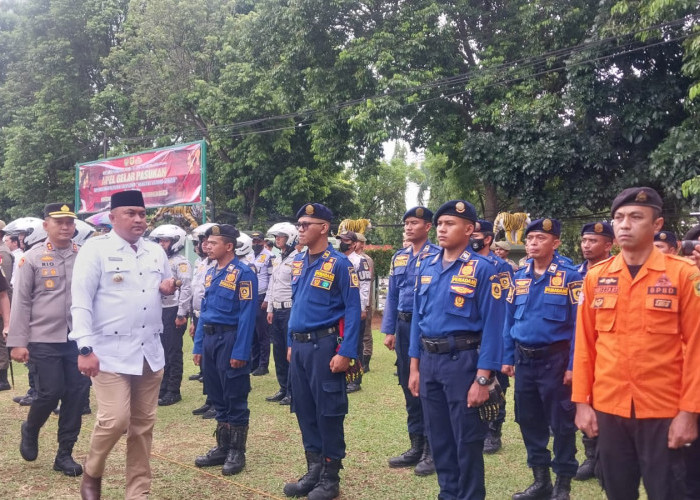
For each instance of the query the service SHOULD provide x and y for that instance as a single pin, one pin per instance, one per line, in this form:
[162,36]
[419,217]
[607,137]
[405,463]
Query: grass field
[375,430]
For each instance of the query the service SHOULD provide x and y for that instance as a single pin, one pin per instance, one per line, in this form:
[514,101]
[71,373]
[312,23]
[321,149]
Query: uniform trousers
[278,331]
[504,382]
[171,338]
[260,353]
[455,432]
[56,375]
[542,401]
[367,340]
[414,410]
[319,397]
[227,388]
[630,449]
[692,466]
[125,403]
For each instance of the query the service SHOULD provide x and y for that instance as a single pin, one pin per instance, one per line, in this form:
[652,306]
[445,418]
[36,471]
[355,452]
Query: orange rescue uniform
[638,340]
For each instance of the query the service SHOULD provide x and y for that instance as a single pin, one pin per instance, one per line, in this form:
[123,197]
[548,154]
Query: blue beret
[600,228]
[132,198]
[483,226]
[458,208]
[644,196]
[549,226]
[315,210]
[420,213]
[666,237]
[226,230]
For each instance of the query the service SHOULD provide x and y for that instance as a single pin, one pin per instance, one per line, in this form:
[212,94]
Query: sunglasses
[305,225]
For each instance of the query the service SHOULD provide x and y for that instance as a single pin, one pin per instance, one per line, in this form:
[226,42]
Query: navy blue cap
[458,208]
[483,226]
[131,198]
[666,237]
[644,196]
[549,226]
[226,230]
[420,213]
[257,235]
[599,228]
[315,210]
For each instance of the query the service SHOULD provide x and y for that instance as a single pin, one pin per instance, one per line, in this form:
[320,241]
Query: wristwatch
[85,351]
[484,381]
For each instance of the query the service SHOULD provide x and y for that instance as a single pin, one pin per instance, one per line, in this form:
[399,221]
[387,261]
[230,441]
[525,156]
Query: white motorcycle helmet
[83,231]
[20,225]
[198,232]
[172,232]
[284,229]
[34,233]
[244,245]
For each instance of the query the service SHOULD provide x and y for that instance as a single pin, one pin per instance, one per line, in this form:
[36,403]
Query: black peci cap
[132,198]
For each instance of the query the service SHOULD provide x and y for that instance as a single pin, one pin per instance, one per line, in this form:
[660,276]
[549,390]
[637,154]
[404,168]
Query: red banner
[168,176]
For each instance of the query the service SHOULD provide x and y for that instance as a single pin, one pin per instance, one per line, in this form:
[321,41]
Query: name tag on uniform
[401,260]
[114,259]
[556,290]
[425,280]
[522,286]
[464,280]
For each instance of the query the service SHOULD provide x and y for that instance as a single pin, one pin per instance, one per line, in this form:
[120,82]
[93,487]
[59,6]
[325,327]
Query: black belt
[460,342]
[535,352]
[405,316]
[314,335]
[213,329]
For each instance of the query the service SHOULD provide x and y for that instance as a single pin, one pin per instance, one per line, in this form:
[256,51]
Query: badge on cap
[309,210]
[215,231]
[118,278]
[477,227]
[598,228]
[662,236]
[65,208]
[419,212]
[641,197]
[547,225]
[459,207]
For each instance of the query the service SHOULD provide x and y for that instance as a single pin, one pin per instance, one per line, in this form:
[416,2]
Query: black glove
[488,412]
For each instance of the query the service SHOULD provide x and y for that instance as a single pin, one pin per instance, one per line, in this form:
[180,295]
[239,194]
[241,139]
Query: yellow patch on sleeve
[245,290]
[496,290]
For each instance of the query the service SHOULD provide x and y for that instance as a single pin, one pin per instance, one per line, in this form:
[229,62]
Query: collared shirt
[584,266]
[117,302]
[16,256]
[263,263]
[182,298]
[41,298]
[323,293]
[230,298]
[280,287]
[459,298]
[402,284]
[370,261]
[364,275]
[638,339]
[199,271]
[542,310]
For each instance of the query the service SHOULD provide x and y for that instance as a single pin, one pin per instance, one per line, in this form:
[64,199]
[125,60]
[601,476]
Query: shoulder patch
[575,291]
[496,290]
[354,280]
[19,264]
[245,290]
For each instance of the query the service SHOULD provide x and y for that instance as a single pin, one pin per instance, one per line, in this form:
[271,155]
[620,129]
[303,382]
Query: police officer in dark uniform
[396,326]
[538,338]
[324,327]
[222,345]
[455,351]
[481,241]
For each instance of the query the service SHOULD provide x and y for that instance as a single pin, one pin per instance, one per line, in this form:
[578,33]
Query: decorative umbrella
[99,219]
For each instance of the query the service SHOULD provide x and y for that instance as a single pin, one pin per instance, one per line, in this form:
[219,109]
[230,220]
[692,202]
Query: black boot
[29,443]
[587,469]
[235,459]
[306,483]
[425,466]
[492,443]
[562,488]
[217,455]
[328,487]
[4,384]
[541,488]
[64,462]
[412,456]
[365,363]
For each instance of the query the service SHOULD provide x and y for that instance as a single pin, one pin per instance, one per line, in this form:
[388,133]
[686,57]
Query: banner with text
[167,176]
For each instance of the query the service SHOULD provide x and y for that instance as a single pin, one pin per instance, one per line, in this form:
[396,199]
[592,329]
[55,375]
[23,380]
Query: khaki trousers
[125,403]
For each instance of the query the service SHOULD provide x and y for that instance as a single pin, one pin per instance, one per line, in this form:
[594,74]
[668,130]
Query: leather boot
[90,487]
[492,443]
[426,466]
[64,462]
[4,384]
[412,456]
[541,488]
[365,363]
[562,488]
[235,458]
[328,487]
[587,469]
[217,455]
[29,443]
[306,483]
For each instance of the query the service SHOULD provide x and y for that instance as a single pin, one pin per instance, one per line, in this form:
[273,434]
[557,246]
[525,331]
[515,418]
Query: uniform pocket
[661,315]
[461,304]
[335,400]
[605,312]
[556,307]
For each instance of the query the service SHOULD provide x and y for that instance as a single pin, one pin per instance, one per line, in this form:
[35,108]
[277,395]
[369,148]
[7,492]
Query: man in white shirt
[118,280]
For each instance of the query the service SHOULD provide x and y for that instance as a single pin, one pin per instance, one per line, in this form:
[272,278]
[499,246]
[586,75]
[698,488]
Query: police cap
[257,235]
[458,208]
[347,235]
[483,226]
[644,196]
[57,210]
[666,237]
[419,213]
[131,198]
[548,226]
[225,230]
[315,210]
[599,228]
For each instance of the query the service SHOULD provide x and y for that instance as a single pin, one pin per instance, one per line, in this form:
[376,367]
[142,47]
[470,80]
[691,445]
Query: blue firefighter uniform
[225,331]
[324,292]
[450,313]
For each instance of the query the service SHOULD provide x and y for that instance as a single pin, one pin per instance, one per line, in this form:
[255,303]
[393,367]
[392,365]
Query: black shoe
[365,363]
[170,398]
[328,487]
[209,414]
[86,410]
[235,459]
[260,370]
[27,400]
[306,483]
[196,376]
[64,463]
[541,487]
[4,385]
[587,469]
[286,401]
[493,443]
[57,410]
[201,410]
[426,466]
[278,396]
[217,455]
[410,457]
[353,387]
[17,399]
[29,444]
[562,489]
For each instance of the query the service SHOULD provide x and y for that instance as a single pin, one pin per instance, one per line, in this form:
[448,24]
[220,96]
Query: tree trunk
[491,203]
